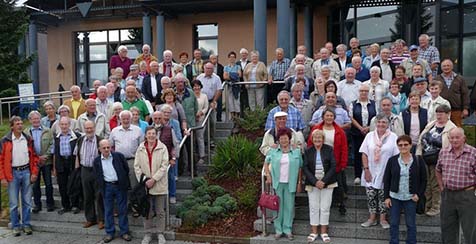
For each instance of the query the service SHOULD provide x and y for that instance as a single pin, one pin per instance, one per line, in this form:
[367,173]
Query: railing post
[227,110]
[167,206]
[208,136]
[263,214]
[192,164]
[1,112]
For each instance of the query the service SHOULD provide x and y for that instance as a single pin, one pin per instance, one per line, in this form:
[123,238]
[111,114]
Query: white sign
[26,90]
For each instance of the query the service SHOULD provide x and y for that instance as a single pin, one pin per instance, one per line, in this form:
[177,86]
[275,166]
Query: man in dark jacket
[63,163]
[151,88]
[112,175]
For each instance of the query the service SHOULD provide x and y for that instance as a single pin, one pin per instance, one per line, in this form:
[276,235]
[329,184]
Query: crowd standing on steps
[388,111]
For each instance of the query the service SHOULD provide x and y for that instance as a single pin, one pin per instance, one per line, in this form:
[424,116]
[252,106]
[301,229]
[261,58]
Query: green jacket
[46,143]
[295,163]
[190,106]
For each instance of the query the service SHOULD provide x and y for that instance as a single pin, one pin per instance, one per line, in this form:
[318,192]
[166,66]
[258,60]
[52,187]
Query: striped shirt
[458,171]
[127,140]
[278,69]
[397,59]
[89,151]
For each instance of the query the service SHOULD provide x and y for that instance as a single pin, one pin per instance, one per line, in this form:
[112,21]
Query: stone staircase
[69,223]
[346,229]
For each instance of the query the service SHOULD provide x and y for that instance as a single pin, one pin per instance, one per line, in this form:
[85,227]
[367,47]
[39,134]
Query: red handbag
[268,201]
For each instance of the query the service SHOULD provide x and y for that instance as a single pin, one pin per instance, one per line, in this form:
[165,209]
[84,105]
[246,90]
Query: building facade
[81,36]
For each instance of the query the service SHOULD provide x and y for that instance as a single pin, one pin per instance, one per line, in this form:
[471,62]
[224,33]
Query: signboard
[26,90]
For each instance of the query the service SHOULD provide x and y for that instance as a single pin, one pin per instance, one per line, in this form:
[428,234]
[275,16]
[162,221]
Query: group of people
[390,107]
[401,120]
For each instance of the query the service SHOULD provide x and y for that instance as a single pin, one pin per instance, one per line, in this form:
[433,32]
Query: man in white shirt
[348,88]
[126,139]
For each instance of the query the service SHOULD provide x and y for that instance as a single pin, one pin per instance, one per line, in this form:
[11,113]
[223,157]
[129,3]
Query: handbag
[268,201]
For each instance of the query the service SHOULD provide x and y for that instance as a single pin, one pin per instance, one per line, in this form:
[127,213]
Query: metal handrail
[228,83]
[36,98]
[167,204]
[263,189]
[190,131]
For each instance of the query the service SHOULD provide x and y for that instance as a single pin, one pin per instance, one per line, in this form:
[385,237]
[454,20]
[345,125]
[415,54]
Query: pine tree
[13,67]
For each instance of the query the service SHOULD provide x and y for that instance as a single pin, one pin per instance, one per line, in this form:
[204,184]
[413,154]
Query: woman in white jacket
[151,161]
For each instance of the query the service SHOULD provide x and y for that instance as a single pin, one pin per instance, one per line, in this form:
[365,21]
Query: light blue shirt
[403,193]
[36,134]
[319,165]
[108,170]
[342,117]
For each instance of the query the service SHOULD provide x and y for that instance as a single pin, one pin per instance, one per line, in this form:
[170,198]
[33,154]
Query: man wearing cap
[294,118]
[414,59]
[134,75]
[420,85]
[271,140]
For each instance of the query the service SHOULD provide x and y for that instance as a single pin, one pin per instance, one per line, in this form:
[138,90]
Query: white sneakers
[173,200]
[357,181]
[147,239]
[161,239]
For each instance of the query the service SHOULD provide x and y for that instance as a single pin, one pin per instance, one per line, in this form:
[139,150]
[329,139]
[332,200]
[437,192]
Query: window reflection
[449,21]
[208,47]
[469,59]
[469,25]
[97,36]
[97,52]
[207,30]
[97,71]
[114,35]
[449,49]
[376,27]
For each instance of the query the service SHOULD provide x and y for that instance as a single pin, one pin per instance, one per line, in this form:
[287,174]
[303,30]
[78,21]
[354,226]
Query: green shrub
[197,208]
[247,196]
[198,181]
[255,120]
[235,158]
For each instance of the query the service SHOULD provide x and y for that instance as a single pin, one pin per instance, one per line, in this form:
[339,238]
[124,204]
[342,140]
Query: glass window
[449,21]
[81,53]
[132,51]
[207,30]
[366,11]
[448,3]
[97,52]
[98,71]
[428,19]
[469,25]
[469,59]
[113,35]
[81,73]
[97,36]
[469,1]
[208,47]
[376,27]
[449,49]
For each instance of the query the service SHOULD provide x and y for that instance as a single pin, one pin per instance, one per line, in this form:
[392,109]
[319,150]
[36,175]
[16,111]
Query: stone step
[353,201]
[137,232]
[224,125]
[430,234]
[223,133]
[303,239]
[79,219]
[357,215]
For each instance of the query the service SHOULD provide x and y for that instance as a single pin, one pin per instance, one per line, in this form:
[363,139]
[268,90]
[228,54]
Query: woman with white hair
[64,111]
[51,116]
[255,71]
[374,56]
[378,87]
[116,110]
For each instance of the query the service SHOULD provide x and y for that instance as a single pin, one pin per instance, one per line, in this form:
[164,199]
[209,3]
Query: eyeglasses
[403,145]
[364,91]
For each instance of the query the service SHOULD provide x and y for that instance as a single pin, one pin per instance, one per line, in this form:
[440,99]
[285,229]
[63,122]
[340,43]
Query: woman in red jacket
[336,138]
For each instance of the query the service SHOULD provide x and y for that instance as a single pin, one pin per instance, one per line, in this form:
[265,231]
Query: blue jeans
[20,184]
[410,216]
[45,172]
[111,193]
[171,179]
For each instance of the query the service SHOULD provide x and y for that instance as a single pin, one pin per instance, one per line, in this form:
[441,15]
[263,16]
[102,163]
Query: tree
[13,67]
[425,22]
